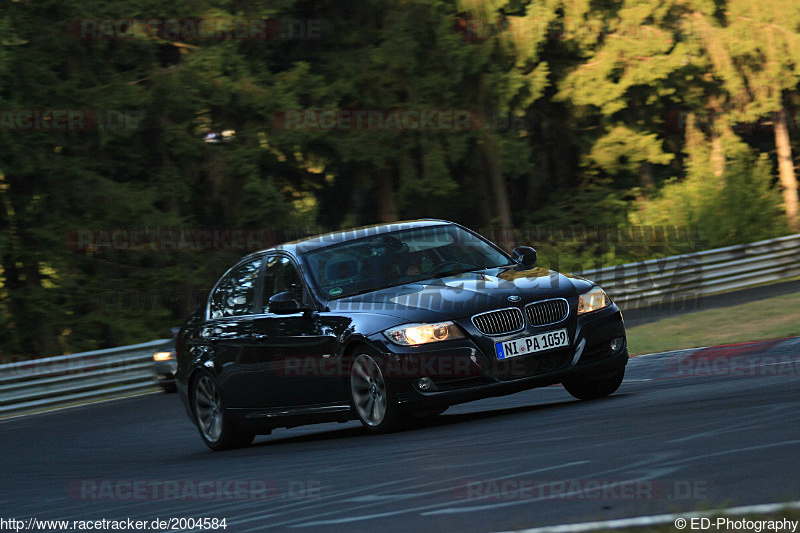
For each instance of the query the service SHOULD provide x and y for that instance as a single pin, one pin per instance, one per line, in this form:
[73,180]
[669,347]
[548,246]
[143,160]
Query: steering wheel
[435,269]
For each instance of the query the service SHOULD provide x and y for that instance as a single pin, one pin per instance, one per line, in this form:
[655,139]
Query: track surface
[692,441]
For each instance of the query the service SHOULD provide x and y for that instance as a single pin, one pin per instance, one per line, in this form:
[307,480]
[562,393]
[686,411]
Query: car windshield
[379,261]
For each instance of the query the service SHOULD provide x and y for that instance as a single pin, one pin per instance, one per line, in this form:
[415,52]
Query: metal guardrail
[678,280]
[57,381]
[682,280]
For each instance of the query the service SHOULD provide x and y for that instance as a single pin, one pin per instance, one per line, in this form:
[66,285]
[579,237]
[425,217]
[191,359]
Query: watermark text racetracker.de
[637,240]
[441,365]
[193,489]
[749,359]
[373,120]
[763,366]
[516,489]
[69,120]
[377,120]
[199,29]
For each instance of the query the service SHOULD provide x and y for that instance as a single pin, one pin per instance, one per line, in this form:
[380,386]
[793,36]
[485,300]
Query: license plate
[534,343]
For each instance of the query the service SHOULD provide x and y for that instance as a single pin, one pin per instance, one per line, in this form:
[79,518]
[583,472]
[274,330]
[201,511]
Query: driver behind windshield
[413,265]
[404,265]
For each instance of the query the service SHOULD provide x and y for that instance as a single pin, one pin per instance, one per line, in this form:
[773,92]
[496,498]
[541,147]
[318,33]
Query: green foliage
[623,148]
[571,105]
[739,208]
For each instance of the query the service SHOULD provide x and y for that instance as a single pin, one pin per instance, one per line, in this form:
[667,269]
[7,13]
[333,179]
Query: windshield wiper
[356,293]
[446,273]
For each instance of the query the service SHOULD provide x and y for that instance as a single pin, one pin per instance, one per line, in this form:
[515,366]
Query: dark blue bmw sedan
[387,324]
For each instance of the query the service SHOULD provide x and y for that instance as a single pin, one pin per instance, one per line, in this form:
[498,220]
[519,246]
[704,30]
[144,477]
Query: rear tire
[586,389]
[372,397]
[213,422]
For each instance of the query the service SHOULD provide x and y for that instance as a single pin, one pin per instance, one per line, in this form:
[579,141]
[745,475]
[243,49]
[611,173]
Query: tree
[635,60]
[516,32]
[756,53]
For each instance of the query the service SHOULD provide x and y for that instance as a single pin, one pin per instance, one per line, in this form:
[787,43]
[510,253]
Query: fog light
[617,343]
[426,384]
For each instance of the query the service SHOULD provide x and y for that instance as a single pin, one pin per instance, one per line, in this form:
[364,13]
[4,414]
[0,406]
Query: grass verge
[771,318]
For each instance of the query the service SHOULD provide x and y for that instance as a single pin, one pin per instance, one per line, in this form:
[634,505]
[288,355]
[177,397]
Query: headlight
[593,300]
[162,356]
[412,334]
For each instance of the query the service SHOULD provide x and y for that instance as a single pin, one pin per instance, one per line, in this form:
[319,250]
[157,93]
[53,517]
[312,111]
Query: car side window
[281,275]
[235,294]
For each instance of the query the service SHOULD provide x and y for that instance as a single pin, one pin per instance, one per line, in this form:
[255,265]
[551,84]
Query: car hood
[464,294]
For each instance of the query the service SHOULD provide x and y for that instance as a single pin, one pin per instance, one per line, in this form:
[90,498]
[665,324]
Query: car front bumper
[164,372]
[466,370]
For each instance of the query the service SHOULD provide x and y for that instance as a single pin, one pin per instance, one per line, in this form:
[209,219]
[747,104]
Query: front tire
[373,398]
[586,389]
[215,426]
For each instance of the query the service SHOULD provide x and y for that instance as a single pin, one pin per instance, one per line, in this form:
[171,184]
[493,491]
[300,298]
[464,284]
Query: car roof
[308,244]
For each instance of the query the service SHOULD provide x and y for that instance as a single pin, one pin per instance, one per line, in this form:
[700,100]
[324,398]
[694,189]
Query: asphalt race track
[686,431]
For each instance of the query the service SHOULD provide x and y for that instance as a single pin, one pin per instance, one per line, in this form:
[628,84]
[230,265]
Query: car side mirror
[525,255]
[283,303]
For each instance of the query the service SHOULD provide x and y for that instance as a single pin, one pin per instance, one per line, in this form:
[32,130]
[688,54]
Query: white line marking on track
[76,405]
[358,518]
[655,474]
[640,521]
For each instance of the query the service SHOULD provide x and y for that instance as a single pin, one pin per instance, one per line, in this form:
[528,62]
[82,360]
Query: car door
[228,332]
[299,348]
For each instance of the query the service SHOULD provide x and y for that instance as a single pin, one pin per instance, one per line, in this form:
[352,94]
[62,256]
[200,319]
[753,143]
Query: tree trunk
[500,191]
[717,152]
[646,175]
[387,207]
[718,126]
[786,171]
